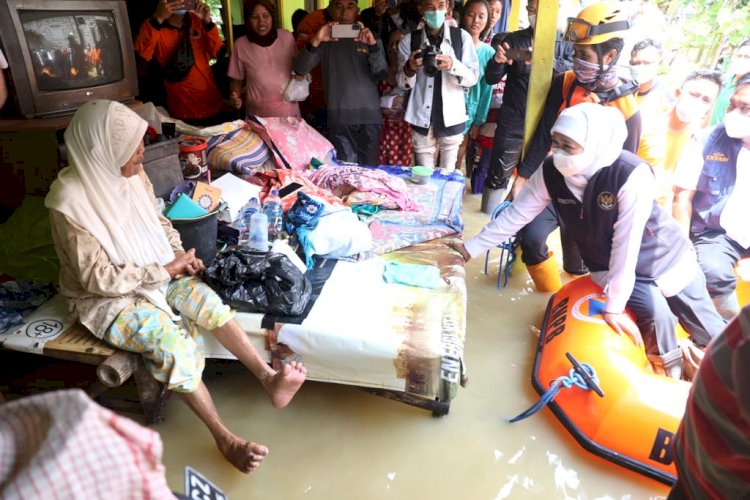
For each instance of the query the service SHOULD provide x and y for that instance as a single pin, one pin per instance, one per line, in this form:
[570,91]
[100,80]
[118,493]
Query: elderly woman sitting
[125,273]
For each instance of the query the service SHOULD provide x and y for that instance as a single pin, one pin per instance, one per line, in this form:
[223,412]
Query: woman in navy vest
[634,250]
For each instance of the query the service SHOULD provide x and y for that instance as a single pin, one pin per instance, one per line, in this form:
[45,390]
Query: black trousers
[534,242]
[506,152]
[356,143]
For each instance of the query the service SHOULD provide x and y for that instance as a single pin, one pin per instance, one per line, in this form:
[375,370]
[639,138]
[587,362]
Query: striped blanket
[241,151]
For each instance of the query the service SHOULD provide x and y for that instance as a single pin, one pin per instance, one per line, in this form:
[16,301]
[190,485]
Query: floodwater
[337,442]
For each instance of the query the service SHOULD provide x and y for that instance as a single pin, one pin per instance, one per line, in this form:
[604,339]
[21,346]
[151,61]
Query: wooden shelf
[53,123]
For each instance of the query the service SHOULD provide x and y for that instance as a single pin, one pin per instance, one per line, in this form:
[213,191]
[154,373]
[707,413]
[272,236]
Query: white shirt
[635,200]
[463,75]
[734,215]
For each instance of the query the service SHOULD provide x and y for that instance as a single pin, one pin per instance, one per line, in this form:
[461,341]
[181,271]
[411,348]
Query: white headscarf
[117,211]
[599,129]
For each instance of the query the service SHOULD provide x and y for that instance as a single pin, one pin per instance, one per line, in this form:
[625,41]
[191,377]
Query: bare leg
[245,456]
[281,386]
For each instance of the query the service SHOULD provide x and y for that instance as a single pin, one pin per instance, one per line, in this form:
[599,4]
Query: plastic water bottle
[275,213]
[258,232]
[243,224]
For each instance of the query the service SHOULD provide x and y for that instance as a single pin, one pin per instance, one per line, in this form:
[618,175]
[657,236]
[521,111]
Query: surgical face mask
[688,111]
[532,20]
[737,125]
[644,73]
[435,18]
[592,78]
[180,12]
[569,165]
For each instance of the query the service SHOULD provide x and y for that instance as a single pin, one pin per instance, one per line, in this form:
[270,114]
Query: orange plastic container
[193,158]
[634,423]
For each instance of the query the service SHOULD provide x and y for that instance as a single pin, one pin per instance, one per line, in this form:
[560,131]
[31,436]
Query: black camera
[429,63]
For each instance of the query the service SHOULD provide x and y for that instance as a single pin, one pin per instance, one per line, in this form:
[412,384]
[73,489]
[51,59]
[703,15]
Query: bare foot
[245,456]
[282,387]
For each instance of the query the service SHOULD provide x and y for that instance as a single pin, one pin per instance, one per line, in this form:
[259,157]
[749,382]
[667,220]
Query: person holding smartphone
[191,92]
[353,61]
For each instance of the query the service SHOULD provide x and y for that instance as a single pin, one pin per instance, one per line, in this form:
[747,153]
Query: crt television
[63,53]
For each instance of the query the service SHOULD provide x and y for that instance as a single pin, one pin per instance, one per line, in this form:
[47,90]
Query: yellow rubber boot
[545,275]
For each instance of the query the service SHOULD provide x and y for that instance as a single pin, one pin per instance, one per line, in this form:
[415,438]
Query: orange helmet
[597,23]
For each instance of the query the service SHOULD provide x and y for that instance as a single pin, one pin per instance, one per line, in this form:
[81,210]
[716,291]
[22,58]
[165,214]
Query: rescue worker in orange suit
[191,92]
[596,34]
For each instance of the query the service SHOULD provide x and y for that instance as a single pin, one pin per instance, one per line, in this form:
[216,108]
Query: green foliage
[710,24]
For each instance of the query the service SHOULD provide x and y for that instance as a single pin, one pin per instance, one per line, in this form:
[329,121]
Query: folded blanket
[342,180]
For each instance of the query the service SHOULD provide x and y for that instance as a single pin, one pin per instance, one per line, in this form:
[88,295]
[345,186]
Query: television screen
[72,50]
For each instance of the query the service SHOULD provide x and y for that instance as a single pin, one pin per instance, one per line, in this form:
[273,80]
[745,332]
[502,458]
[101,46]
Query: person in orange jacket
[192,93]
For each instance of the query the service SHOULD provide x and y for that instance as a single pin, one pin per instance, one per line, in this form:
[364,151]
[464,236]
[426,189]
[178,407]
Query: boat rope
[574,379]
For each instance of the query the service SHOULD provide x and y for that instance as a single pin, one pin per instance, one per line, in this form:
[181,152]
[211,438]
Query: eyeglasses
[580,29]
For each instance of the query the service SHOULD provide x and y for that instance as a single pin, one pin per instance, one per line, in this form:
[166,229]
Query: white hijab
[600,130]
[117,211]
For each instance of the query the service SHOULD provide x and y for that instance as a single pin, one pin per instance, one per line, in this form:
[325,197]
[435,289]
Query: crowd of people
[647,194]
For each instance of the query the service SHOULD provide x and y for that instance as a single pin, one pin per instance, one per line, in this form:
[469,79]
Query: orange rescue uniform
[197,96]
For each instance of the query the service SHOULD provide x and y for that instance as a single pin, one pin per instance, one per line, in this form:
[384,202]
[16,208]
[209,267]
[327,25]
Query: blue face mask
[435,18]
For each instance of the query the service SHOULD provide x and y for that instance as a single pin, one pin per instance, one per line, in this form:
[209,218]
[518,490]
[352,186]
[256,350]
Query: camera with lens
[429,63]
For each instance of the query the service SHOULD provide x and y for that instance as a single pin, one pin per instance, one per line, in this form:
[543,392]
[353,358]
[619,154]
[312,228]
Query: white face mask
[688,112]
[737,125]
[532,20]
[644,73]
[568,164]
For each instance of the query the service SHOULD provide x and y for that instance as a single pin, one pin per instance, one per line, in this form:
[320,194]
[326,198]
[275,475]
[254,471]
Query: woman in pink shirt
[263,60]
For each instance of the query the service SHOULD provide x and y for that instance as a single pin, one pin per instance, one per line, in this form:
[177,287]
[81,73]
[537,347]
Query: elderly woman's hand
[185,263]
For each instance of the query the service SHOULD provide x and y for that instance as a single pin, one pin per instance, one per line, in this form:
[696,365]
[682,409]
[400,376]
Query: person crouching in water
[633,248]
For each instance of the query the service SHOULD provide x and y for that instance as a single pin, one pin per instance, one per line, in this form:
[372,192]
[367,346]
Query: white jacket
[463,75]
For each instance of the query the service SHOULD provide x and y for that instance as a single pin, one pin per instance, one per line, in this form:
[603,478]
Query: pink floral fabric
[342,180]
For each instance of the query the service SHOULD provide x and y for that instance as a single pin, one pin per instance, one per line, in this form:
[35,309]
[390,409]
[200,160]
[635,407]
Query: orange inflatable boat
[634,420]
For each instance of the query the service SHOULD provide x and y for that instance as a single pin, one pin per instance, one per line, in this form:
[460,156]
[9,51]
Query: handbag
[297,90]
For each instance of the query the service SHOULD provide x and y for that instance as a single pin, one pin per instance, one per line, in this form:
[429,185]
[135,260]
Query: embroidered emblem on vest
[606,200]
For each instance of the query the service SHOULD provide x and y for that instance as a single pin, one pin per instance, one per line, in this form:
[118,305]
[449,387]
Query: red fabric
[395,137]
[197,96]
[306,29]
[63,445]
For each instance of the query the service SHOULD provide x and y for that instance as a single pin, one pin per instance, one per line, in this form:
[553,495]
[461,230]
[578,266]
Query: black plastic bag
[259,282]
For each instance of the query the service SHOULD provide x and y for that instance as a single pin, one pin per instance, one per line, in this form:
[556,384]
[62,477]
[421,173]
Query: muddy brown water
[337,442]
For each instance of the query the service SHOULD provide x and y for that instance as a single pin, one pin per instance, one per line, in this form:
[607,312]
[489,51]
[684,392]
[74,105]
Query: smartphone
[189,4]
[345,30]
[518,54]
[289,189]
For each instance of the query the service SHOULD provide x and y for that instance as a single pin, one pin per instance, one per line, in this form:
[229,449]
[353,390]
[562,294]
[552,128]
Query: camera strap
[456,41]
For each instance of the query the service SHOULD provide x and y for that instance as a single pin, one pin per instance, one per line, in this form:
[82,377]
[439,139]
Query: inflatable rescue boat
[632,413]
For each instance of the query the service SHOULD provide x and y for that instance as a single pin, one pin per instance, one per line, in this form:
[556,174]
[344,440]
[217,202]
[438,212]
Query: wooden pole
[230,26]
[545,34]
[514,16]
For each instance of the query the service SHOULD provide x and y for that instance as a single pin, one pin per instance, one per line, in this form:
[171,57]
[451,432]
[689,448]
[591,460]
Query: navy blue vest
[591,222]
[716,181]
